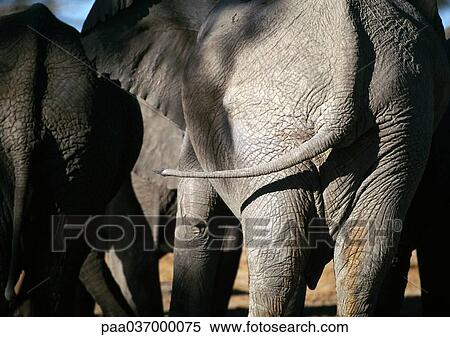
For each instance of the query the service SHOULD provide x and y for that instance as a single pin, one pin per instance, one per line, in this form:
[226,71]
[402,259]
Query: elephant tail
[21,190]
[313,147]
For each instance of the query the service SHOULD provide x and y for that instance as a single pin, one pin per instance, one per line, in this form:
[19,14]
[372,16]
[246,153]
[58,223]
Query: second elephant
[68,140]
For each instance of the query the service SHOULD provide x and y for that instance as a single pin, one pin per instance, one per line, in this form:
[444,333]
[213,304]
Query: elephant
[362,154]
[69,138]
[290,117]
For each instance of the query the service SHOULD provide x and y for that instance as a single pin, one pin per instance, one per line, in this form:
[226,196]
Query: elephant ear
[145,45]
[102,10]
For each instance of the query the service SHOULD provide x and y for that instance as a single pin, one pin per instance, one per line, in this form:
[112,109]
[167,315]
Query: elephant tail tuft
[21,190]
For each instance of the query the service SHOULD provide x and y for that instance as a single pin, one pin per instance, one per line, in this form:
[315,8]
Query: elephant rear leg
[274,231]
[200,265]
[228,267]
[136,268]
[367,242]
[204,265]
[100,284]
[3,305]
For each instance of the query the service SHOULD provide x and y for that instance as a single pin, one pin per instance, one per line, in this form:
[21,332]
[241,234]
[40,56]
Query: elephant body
[326,116]
[68,140]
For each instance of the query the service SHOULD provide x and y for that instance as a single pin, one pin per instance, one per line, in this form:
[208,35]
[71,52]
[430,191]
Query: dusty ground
[320,302]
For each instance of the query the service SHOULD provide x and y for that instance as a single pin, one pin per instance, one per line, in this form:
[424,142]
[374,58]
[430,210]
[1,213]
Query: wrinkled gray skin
[324,109]
[376,117]
[68,139]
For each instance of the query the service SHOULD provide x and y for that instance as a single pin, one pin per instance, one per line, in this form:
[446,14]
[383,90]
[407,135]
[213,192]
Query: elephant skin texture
[325,116]
[68,139]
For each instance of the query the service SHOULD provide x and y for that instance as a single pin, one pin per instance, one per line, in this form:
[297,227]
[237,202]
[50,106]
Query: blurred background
[444,9]
[74,12]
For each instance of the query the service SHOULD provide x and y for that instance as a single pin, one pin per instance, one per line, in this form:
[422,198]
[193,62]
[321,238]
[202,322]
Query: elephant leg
[54,288]
[97,279]
[50,280]
[296,305]
[137,273]
[274,231]
[367,242]
[136,268]
[3,306]
[196,259]
[205,265]
[227,268]
[360,263]
[392,292]
[73,298]
[3,279]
